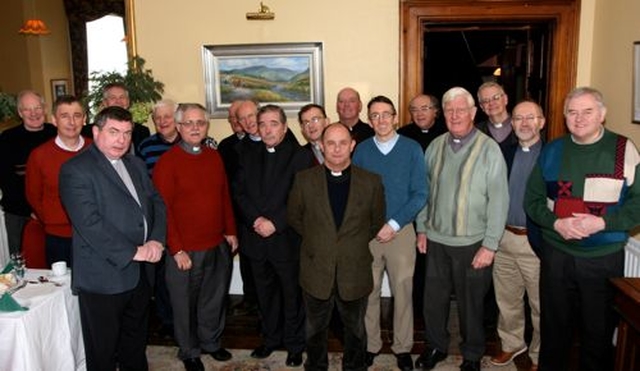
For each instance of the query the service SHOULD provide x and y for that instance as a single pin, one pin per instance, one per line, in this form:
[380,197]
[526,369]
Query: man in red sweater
[42,172]
[201,235]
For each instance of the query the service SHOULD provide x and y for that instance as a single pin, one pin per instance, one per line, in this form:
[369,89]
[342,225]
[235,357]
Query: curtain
[79,12]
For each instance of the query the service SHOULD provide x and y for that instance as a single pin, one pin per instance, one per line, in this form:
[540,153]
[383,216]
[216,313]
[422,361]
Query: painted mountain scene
[281,79]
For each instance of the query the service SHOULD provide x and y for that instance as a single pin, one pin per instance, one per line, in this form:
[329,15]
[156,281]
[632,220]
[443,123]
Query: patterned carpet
[163,358]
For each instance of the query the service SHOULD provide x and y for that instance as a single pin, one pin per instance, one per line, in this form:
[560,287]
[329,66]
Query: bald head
[349,106]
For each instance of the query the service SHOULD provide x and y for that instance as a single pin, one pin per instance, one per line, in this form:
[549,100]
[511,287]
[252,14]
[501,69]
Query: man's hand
[421,242]
[233,242]
[385,234]
[571,228]
[483,258]
[264,227]
[182,260]
[150,252]
[591,224]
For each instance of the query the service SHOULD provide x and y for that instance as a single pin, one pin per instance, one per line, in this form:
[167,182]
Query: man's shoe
[369,357]
[193,364]
[294,359]
[429,358]
[405,363]
[470,365]
[504,358]
[261,352]
[221,355]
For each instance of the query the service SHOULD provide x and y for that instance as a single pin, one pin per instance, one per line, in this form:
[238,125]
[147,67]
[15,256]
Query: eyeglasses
[528,119]
[190,124]
[381,116]
[493,98]
[457,111]
[423,109]
[313,120]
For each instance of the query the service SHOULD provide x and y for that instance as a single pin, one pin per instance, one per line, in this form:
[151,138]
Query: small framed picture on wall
[59,87]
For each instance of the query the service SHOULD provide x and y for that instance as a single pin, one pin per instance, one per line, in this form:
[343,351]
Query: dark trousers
[280,303]
[250,297]
[198,297]
[114,328]
[57,249]
[576,293]
[449,270]
[319,313]
[15,226]
[161,293]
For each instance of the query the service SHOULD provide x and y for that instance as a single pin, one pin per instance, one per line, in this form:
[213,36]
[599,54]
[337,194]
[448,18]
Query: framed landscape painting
[286,74]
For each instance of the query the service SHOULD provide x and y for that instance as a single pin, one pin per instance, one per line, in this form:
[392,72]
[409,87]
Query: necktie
[126,178]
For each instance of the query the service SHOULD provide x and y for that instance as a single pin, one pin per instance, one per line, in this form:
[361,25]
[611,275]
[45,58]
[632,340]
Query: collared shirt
[457,143]
[61,144]
[386,147]
[523,162]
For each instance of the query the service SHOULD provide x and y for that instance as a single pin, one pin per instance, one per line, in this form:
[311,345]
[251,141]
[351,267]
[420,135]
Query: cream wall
[615,30]
[360,37]
[32,61]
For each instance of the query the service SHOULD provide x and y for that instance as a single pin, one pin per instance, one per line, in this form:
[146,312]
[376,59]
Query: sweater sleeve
[535,200]
[497,198]
[418,188]
[423,215]
[628,215]
[34,184]
[163,180]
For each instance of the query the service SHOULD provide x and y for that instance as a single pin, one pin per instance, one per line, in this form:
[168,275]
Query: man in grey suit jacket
[119,226]
[338,209]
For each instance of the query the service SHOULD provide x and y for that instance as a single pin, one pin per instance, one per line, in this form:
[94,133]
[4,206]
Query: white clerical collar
[336,173]
[271,149]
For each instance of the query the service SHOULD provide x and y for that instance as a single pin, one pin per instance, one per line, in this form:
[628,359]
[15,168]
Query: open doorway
[535,45]
[515,55]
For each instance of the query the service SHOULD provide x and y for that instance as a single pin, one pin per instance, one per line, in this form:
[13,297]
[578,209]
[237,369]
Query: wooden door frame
[564,14]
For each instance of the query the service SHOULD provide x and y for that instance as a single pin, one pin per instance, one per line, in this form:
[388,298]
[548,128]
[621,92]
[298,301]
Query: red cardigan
[41,186]
[196,194]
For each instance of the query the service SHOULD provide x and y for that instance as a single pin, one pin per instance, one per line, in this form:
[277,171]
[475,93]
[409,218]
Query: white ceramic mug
[59,268]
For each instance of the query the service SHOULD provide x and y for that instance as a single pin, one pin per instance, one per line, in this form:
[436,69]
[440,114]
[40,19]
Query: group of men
[443,209]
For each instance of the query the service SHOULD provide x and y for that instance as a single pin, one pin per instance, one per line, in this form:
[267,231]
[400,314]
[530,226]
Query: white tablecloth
[48,336]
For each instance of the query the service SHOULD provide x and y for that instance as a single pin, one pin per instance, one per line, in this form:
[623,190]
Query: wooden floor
[243,332]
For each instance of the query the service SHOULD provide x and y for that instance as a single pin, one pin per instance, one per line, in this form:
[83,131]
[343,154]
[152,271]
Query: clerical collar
[255,138]
[271,149]
[240,135]
[461,141]
[424,131]
[194,150]
[497,125]
[531,148]
[338,175]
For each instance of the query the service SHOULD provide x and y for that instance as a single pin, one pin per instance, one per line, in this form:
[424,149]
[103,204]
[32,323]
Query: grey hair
[455,92]
[584,90]
[184,107]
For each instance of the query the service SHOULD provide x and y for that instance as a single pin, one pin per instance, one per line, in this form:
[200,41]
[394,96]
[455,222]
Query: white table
[48,336]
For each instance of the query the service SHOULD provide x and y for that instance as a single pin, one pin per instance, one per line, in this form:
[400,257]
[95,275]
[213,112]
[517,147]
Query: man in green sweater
[459,229]
[583,195]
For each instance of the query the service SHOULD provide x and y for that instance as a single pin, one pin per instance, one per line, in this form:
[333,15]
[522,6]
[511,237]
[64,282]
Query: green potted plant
[8,110]
[144,89]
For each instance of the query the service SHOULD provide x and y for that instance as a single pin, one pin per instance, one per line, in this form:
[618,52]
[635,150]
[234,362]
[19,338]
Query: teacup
[59,268]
